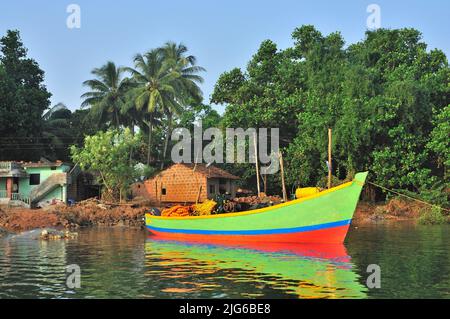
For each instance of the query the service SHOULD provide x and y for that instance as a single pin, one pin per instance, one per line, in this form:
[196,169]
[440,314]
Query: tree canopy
[108,154]
[23,99]
[384,97]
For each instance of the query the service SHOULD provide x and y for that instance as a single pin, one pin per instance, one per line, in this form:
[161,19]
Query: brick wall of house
[180,182]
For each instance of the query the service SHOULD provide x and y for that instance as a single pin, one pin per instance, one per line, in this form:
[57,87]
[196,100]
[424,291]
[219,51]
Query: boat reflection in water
[298,270]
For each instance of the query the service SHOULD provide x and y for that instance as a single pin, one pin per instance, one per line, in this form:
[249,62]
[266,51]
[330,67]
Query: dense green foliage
[107,97]
[63,128]
[23,99]
[28,129]
[440,140]
[432,216]
[108,153]
[386,99]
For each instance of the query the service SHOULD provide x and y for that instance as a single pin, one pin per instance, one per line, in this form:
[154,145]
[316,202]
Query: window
[212,189]
[163,191]
[35,179]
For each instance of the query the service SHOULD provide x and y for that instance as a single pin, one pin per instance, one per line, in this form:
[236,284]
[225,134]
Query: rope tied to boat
[409,197]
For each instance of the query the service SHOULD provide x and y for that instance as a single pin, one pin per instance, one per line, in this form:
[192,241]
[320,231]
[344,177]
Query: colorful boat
[321,218]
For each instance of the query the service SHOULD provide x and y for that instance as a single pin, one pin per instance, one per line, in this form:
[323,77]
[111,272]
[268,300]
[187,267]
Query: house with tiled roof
[187,183]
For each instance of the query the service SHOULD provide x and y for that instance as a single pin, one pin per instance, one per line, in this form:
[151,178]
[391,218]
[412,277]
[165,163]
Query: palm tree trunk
[150,128]
[166,142]
[132,134]
[116,115]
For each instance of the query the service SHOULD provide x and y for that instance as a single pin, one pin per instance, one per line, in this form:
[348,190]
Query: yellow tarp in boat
[306,192]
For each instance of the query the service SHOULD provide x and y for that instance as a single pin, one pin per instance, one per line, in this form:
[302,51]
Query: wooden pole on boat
[257,167]
[280,156]
[329,158]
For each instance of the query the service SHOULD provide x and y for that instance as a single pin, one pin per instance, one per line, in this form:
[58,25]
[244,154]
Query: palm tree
[186,85]
[107,95]
[156,87]
[58,132]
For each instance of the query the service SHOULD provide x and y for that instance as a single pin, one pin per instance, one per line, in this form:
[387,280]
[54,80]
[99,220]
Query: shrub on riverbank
[432,216]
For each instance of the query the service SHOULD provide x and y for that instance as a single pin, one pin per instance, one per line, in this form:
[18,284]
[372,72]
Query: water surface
[126,263]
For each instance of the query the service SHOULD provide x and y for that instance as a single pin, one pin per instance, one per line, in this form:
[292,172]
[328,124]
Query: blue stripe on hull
[254,232]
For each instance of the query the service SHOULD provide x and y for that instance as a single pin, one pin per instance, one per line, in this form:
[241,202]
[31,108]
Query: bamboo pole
[265,183]
[257,167]
[156,191]
[199,193]
[329,158]
[280,156]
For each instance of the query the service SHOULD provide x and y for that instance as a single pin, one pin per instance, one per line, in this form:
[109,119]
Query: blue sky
[222,34]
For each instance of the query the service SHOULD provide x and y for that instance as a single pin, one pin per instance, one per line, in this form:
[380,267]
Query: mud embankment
[396,209]
[84,214]
[95,213]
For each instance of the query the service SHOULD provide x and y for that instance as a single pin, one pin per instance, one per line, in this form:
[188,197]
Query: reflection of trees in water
[414,259]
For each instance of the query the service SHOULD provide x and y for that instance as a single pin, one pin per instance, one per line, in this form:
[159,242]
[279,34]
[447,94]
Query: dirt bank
[94,213]
[395,210]
[87,213]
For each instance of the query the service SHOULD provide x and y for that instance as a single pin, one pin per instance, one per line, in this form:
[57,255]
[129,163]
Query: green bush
[432,216]
[436,194]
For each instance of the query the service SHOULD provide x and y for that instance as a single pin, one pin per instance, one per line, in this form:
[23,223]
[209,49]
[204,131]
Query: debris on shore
[91,212]
[4,232]
[53,234]
[396,209]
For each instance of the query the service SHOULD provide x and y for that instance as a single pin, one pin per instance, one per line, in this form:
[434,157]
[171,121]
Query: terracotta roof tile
[211,171]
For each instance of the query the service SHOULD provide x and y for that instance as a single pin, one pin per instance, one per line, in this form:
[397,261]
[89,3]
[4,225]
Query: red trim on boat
[333,235]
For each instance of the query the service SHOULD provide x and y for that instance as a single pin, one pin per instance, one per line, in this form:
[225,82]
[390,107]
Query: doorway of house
[15,185]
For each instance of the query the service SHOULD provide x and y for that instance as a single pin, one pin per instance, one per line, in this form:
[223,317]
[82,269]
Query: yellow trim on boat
[359,183]
[260,210]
